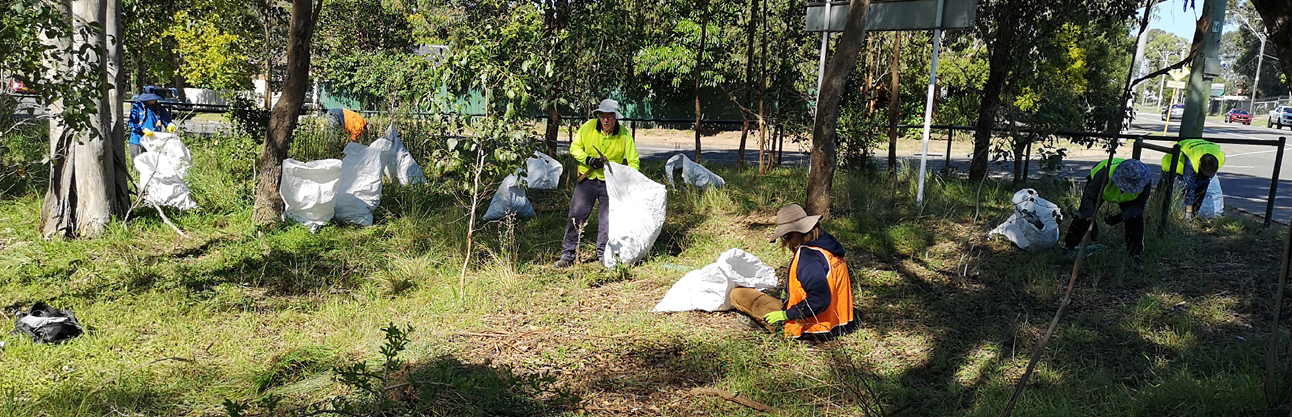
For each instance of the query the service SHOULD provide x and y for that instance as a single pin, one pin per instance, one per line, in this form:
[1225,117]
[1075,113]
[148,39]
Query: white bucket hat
[609,106]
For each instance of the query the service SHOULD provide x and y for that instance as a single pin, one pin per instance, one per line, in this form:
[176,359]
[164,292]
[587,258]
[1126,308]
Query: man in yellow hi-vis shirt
[600,140]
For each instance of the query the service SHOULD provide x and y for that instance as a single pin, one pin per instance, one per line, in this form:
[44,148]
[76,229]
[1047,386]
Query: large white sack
[1034,226]
[163,185]
[309,190]
[542,172]
[1213,204]
[709,288]
[637,209]
[400,167]
[509,199]
[359,191]
[692,173]
[162,172]
[170,146]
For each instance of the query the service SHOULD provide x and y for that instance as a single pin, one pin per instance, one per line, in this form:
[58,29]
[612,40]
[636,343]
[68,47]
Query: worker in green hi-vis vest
[1129,189]
[1201,159]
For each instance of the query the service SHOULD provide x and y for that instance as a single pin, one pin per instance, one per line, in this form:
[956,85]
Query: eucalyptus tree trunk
[825,130]
[745,112]
[999,63]
[86,188]
[763,161]
[283,118]
[699,70]
[893,103]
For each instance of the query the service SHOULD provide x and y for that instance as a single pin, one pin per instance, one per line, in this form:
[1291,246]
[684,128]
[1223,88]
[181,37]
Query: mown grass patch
[177,325]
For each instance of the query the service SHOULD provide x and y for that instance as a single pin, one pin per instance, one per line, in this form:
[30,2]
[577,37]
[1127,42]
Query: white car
[1279,117]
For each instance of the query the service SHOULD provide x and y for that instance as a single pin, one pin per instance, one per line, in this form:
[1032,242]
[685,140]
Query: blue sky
[1171,17]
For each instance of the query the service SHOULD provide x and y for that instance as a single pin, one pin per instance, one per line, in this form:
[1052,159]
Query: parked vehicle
[170,97]
[16,85]
[1279,117]
[1238,116]
[1176,111]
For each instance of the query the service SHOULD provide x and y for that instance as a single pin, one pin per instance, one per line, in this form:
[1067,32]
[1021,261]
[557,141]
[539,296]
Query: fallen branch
[167,220]
[745,401]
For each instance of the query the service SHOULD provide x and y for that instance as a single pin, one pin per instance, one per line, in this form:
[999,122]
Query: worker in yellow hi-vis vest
[1124,182]
[600,140]
[1201,160]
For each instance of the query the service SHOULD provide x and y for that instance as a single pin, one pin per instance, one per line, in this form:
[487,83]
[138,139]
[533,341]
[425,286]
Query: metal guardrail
[1137,146]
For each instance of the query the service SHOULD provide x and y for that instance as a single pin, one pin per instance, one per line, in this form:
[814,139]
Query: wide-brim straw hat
[1131,176]
[609,106]
[793,218]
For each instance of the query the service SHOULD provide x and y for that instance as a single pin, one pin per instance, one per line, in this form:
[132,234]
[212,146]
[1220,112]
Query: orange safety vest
[837,318]
[354,123]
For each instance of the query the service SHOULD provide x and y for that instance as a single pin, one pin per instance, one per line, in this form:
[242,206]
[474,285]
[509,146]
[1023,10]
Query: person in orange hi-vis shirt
[352,121]
[817,303]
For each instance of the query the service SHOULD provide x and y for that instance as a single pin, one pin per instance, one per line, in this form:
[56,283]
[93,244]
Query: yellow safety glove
[171,128]
[148,132]
[775,317]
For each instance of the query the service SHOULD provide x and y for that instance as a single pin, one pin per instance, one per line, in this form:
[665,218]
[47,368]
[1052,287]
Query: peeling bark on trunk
[85,189]
[824,131]
[283,118]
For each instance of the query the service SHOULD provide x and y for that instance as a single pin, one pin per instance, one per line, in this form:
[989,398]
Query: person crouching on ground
[1201,159]
[352,121]
[818,291]
[147,116]
[599,140]
[1129,189]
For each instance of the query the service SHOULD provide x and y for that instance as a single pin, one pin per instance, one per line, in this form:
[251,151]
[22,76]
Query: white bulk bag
[637,209]
[542,172]
[400,167]
[1034,226]
[509,199]
[309,190]
[162,169]
[1213,204]
[360,189]
[709,288]
[692,173]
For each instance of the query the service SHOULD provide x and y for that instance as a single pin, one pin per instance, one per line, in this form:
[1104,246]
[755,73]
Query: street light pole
[1256,80]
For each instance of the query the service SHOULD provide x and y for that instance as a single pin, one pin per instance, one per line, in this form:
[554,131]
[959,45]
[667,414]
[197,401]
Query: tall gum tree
[825,129]
[88,179]
[283,118]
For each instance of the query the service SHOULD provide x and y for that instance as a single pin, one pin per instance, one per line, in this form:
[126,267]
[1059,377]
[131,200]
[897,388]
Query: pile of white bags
[509,199]
[309,190]
[709,288]
[1213,204]
[692,173]
[542,172]
[360,187]
[637,209]
[1035,223]
[162,170]
[400,167]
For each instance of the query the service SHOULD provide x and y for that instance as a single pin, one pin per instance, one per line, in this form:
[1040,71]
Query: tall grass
[178,325]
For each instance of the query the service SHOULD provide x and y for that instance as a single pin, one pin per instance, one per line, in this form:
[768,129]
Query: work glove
[595,163]
[1113,220]
[148,132]
[171,128]
[775,317]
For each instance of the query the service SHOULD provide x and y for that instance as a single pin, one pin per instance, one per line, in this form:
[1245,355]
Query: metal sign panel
[896,15]
[1175,84]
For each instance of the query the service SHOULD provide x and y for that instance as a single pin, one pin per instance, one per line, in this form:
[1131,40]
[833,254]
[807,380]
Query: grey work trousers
[586,193]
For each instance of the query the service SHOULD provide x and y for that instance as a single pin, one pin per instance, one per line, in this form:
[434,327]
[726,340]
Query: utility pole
[1256,79]
[1204,68]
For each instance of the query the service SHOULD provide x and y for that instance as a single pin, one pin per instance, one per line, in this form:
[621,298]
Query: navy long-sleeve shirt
[812,272]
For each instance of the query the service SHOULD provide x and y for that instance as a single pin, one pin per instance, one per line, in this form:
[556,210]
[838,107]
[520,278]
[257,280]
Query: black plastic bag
[46,324]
